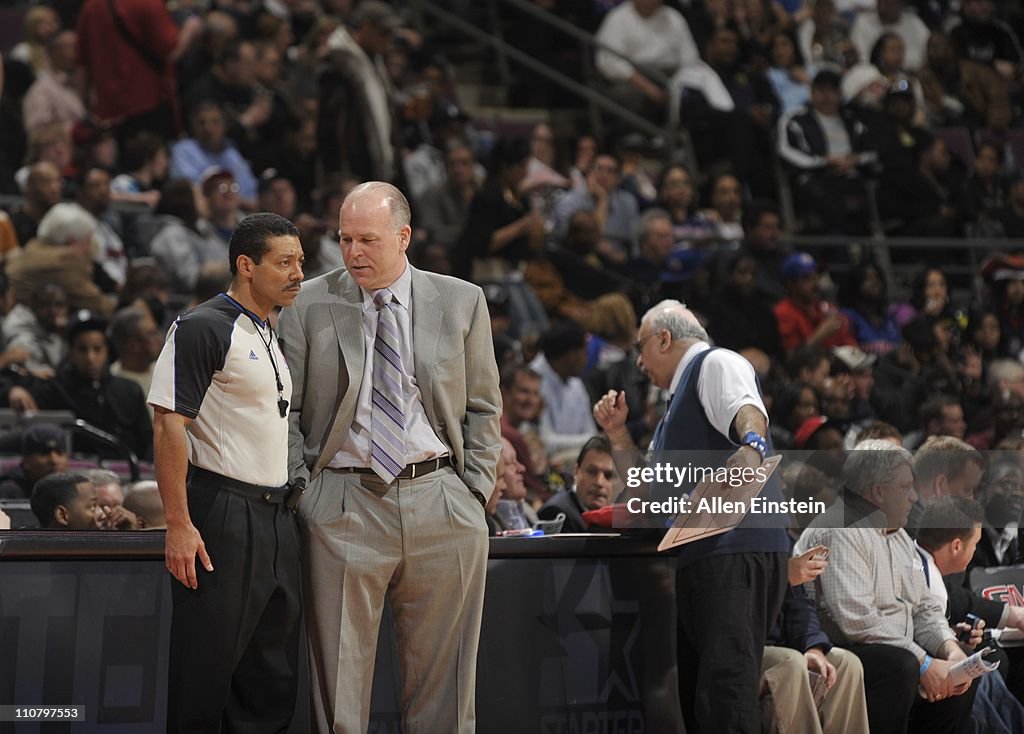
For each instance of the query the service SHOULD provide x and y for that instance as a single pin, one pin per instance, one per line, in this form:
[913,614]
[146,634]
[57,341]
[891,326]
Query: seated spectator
[61,253]
[928,204]
[41,24]
[53,97]
[85,386]
[143,500]
[424,167]
[795,648]
[144,161]
[443,208]
[1005,275]
[983,336]
[521,405]
[959,91]
[222,210]
[803,316]
[209,148]
[1003,499]
[788,75]
[277,194]
[891,17]
[44,451]
[859,366]
[593,482]
[39,330]
[762,230]
[818,434]
[741,315]
[110,498]
[111,260]
[137,340]
[731,118]
[794,404]
[824,37]
[865,301]
[929,296]
[650,36]
[944,466]
[889,55]
[512,511]
[566,421]
[883,432]
[631,151]
[47,144]
[542,175]
[942,415]
[829,152]
[612,321]
[583,272]
[809,365]
[984,191]
[65,501]
[654,238]
[42,191]
[500,230]
[677,196]
[231,82]
[614,208]
[181,244]
[726,210]
[979,36]
[874,601]
[1011,216]
[950,530]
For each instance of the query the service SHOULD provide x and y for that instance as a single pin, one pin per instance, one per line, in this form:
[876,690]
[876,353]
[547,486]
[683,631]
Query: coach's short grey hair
[401,215]
[669,315]
[66,222]
[643,226]
[874,461]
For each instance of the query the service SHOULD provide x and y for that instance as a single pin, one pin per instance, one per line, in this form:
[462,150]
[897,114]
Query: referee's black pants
[725,607]
[235,640]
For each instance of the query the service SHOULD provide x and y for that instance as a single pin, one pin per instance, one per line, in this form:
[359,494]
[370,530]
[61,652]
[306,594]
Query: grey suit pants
[422,543]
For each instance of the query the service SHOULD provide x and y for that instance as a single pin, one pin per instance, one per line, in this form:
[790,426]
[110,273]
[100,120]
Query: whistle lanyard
[282,404]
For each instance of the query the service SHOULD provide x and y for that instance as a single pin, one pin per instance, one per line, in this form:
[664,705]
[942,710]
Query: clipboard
[689,527]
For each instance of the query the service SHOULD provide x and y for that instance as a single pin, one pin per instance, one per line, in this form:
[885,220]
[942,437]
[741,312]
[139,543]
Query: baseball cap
[807,429]
[214,173]
[42,438]
[827,78]
[799,265]
[854,358]
[681,266]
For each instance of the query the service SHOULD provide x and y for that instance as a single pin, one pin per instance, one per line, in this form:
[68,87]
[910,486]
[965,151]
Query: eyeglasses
[225,188]
[639,344]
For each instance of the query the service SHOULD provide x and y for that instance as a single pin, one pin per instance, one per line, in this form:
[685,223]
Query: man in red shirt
[128,61]
[804,317]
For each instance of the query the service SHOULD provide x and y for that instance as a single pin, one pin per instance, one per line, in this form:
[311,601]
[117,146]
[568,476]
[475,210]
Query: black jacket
[565,501]
[113,404]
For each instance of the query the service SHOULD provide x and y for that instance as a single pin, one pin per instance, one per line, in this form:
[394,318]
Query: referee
[221,448]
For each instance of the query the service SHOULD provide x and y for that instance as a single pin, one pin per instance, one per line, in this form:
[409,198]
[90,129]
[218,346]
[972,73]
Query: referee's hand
[181,545]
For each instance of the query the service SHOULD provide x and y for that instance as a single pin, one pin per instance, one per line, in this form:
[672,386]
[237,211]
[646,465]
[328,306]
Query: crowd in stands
[132,144]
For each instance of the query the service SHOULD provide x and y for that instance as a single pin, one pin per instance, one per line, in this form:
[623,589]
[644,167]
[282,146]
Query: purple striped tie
[387,422]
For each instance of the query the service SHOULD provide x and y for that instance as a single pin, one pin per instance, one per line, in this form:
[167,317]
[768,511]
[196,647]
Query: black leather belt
[411,471]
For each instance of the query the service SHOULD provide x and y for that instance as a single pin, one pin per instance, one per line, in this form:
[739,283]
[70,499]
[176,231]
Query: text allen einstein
[722,506]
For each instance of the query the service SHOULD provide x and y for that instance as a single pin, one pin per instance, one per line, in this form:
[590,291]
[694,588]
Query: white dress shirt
[421,443]
[725,388]
[567,420]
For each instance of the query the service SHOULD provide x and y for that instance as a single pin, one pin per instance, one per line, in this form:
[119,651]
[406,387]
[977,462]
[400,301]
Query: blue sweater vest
[687,433]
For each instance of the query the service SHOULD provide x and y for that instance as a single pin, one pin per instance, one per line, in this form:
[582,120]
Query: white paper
[973,667]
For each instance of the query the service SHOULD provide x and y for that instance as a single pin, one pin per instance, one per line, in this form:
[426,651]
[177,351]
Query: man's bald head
[380,193]
[677,319]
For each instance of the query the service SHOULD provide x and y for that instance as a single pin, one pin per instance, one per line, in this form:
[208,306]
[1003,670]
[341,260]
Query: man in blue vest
[729,587]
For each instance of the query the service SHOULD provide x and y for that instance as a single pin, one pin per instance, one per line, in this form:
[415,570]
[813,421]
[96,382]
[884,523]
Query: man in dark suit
[395,417]
[593,482]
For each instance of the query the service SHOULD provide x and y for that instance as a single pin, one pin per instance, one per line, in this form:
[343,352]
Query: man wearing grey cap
[44,451]
[356,124]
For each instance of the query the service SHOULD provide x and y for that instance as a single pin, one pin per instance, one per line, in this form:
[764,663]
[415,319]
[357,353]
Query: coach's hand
[181,545]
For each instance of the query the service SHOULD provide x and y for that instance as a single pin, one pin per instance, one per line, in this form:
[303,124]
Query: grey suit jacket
[454,361]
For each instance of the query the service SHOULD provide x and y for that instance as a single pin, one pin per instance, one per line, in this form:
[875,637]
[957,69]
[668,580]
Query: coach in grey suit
[395,427]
